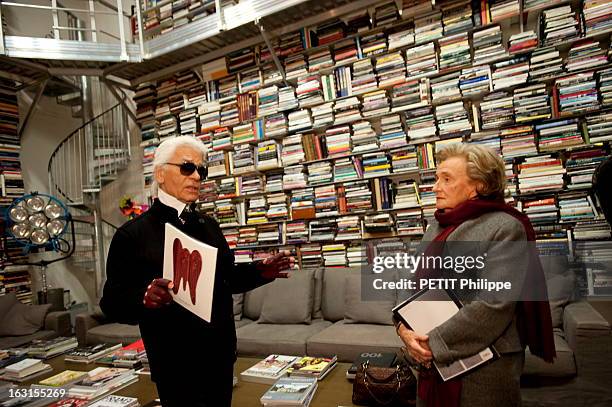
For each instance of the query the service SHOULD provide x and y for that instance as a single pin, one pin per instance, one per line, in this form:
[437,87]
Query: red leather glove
[158,293]
[276,266]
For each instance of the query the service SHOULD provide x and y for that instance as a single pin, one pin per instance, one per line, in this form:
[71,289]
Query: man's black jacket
[173,336]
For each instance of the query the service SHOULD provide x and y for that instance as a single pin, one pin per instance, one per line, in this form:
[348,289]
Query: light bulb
[39,236]
[18,214]
[55,227]
[21,230]
[38,220]
[35,204]
[53,210]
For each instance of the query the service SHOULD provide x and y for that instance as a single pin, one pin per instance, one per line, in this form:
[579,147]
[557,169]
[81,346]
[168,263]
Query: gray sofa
[21,324]
[321,313]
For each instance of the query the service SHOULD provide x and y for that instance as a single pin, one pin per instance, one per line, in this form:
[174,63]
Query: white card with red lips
[191,265]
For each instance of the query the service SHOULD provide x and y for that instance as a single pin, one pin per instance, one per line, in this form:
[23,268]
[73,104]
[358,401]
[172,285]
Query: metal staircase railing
[90,156]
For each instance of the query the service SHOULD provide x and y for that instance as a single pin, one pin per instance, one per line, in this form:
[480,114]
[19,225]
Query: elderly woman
[469,188]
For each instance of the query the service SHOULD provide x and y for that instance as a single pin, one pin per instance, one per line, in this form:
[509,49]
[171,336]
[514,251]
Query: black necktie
[187,213]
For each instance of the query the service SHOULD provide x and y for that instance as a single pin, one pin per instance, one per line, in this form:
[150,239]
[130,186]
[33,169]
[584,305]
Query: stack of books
[518,141]
[604,82]
[347,110]
[290,391]
[286,99]
[322,115]
[274,181]
[559,24]
[268,155]
[44,349]
[385,14]
[89,354]
[270,234]
[421,125]
[343,85]
[345,52]
[421,61]
[320,59]
[326,201]
[349,228]
[320,173]
[294,177]
[597,15]
[381,223]
[531,103]
[309,91]
[540,173]
[390,69]
[401,37]
[454,51]
[268,101]
[24,370]
[599,127]
[292,150]
[356,256]
[559,135]
[364,137]
[406,195]
[522,42]
[410,95]
[577,93]
[250,80]
[243,158]
[364,79]
[252,184]
[229,112]
[228,87]
[222,139]
[445,88]
[581,165]
[591,230]
[572,209]
[345,169]
[275,125]
[188,122]
[225,213]
[241,59]
[541,210]
[409,222]
[334,255]
[338,140]
[316,367]
[102,381]
[209,115]
[428,27]
[545,63]
[358,196]
[375,104]
[453,120]
[488,45]
[585,54]
[475,80]
[116,401]
[456,16]
[247,237]
[270,73]
[373,44]
[328,83]
[311,256]
[299,120]
[269,370]
[511,72]
[322,230]
[61,380]
[404,160]
[217,164]
[376,164]
[503,9]
[496,110]
[295,66]
[392,133]
[330,32]
[296,232]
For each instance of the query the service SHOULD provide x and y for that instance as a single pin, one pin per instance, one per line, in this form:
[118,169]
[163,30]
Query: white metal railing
[90,156]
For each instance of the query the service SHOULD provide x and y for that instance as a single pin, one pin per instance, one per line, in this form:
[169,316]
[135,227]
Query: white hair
[165,151]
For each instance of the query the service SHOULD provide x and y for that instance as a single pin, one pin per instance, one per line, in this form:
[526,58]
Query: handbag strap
[367,386]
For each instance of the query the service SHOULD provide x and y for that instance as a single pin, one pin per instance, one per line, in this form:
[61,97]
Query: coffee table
[334,390]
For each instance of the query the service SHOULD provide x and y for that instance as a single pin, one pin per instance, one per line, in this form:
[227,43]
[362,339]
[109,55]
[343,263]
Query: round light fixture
[35,204]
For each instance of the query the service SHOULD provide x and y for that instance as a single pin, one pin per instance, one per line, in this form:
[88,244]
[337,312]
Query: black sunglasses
[188,168]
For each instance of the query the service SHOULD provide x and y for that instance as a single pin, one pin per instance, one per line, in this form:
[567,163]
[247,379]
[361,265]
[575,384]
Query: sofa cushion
[264,339]
[318,293]
[563,366]
[289,300]
[362,310]
[253,300]
[23,319]
[242,322]
[113,333]
[332,299]
[350,340]
[238,302]
[6,303]
[7,342]
[560,282]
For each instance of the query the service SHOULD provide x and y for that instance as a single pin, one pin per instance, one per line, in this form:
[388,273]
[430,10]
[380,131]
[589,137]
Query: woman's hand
[416,345]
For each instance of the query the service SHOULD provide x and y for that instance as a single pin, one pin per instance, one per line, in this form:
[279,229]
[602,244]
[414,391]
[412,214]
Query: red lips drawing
[187,267]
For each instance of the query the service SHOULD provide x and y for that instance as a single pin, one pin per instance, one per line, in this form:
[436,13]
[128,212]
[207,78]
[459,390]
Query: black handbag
[384,386]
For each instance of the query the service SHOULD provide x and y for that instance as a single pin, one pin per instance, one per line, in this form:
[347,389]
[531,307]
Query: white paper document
[429,309]
[191,265]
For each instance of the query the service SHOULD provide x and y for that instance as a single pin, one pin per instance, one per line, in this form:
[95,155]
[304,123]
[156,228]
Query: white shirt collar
[170,201]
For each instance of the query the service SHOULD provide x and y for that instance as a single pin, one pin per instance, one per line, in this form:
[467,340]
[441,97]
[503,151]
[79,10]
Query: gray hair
[483,165]
[165,151]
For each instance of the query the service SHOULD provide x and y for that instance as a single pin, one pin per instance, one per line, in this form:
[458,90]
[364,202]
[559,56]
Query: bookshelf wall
[13,277]
[341,152]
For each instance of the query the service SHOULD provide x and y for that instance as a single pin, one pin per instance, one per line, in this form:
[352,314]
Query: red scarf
[534,322]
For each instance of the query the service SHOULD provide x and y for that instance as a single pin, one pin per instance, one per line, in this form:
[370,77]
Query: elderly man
[191,360]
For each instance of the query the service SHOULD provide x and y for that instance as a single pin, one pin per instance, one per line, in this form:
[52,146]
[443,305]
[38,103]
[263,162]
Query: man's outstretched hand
[277,265]
[158,293]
